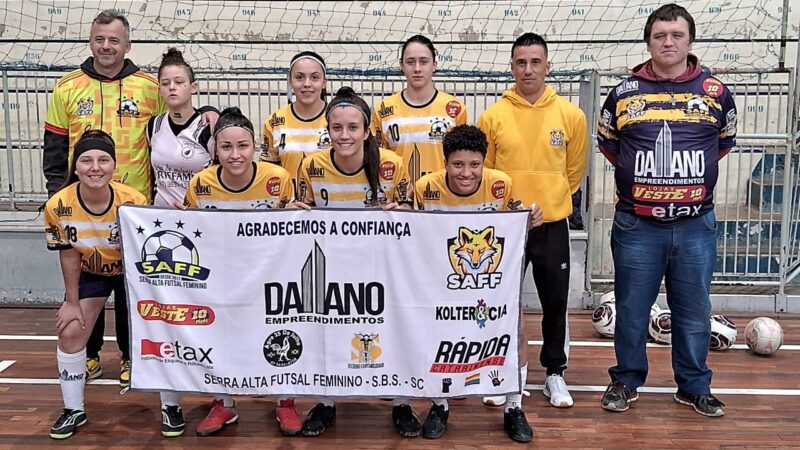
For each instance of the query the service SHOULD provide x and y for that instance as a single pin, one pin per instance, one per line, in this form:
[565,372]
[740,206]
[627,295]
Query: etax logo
[176,350]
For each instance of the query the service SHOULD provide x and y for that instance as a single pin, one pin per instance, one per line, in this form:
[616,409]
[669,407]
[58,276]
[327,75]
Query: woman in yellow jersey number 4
[299,129]
[413,122]
[81,224]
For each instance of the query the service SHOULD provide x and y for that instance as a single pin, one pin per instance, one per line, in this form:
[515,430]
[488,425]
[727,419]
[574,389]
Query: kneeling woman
[239,183]
[81,223]
[355,173]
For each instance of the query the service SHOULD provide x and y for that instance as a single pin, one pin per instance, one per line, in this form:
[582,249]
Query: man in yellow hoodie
[541,140]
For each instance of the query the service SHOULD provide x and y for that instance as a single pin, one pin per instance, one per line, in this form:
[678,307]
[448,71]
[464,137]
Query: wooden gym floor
[762,394]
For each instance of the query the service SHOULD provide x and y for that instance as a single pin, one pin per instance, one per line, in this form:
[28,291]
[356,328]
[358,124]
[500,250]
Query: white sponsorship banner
[325,302]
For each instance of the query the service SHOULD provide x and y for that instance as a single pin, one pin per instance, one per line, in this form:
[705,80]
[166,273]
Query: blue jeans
[684,255]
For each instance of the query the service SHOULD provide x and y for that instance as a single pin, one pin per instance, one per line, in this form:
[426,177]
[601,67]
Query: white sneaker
[499,400]
[555,388]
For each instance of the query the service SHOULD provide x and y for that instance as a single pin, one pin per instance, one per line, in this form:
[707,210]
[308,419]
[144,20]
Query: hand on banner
[395,205]
[68,312]
[210,118]
[179,205]
[536,215]
[300,205]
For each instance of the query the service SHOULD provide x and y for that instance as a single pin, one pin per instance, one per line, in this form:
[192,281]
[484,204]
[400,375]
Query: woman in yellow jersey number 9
[413,122]
[356,173]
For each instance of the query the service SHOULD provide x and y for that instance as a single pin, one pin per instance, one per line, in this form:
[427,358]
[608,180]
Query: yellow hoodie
[543,147]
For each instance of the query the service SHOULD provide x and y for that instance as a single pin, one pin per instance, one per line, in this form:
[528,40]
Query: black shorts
[91,285]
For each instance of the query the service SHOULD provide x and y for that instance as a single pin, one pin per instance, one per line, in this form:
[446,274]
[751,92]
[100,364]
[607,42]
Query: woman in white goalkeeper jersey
[413,122]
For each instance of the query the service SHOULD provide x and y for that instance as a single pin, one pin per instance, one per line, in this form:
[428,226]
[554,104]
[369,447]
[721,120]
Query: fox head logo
[473,252]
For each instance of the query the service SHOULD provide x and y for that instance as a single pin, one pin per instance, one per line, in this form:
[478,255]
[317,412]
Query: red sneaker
[288,417]
[217,418]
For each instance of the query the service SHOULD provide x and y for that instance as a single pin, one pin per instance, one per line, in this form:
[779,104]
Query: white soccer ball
[607,297]
[169,246]
[660,328]
[723,333]
[604,318]
[655,309]
[764,336]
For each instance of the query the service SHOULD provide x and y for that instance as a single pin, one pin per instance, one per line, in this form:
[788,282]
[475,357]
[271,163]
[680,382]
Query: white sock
[515,400]
[71,377]
[170,398]
[282,399]
[441,402]
[227,400]
[400,401]
[327,401]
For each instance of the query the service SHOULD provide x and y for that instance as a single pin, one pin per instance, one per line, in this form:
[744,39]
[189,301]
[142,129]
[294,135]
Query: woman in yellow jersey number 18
[299,128]
[81,224]
[413,122]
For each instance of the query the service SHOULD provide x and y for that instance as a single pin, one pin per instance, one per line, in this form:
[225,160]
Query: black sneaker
[705,404]
[436,422]
[172,423]
[66,425]
[406,421]
[517,426]
[618,397]
[319,419]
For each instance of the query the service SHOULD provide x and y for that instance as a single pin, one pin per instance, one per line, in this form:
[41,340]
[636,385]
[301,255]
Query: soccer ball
[660,328]
[723,333]
[764,336]
[603,319]
[655,309]
[607,297]
[170,247]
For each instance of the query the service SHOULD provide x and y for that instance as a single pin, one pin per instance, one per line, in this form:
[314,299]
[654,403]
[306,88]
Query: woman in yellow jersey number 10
[413,122]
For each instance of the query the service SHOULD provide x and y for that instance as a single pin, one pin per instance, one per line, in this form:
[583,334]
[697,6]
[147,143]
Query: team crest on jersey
[385,111]
[387,170]
[324,139]
[696,105]
[636,107]
[276,120]
[514,205]
[113,235]
[438,128]
[475,256]
[128,108]
[453,109]
[371,202]
[85,107]
[556,138]
[712,87]
[187,150]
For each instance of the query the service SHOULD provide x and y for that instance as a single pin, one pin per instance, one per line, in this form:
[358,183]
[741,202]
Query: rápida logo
[314,299]
[469,356]
[475,256]
[169,258]
[365,351]
[283,348]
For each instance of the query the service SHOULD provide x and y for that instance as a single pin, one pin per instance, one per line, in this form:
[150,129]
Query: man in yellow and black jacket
[540,140]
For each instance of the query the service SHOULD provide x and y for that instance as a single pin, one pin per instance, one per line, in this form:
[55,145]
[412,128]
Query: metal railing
[757,198]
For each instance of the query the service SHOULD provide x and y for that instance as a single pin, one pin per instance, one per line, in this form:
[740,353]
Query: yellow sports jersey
[416,132]
[493,194]
[271,187]
[120,107]
[288,138]
[95,236]
[322,184]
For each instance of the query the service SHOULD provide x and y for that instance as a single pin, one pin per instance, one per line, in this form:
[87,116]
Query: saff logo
[171,259]
[128,108]
[475,256]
